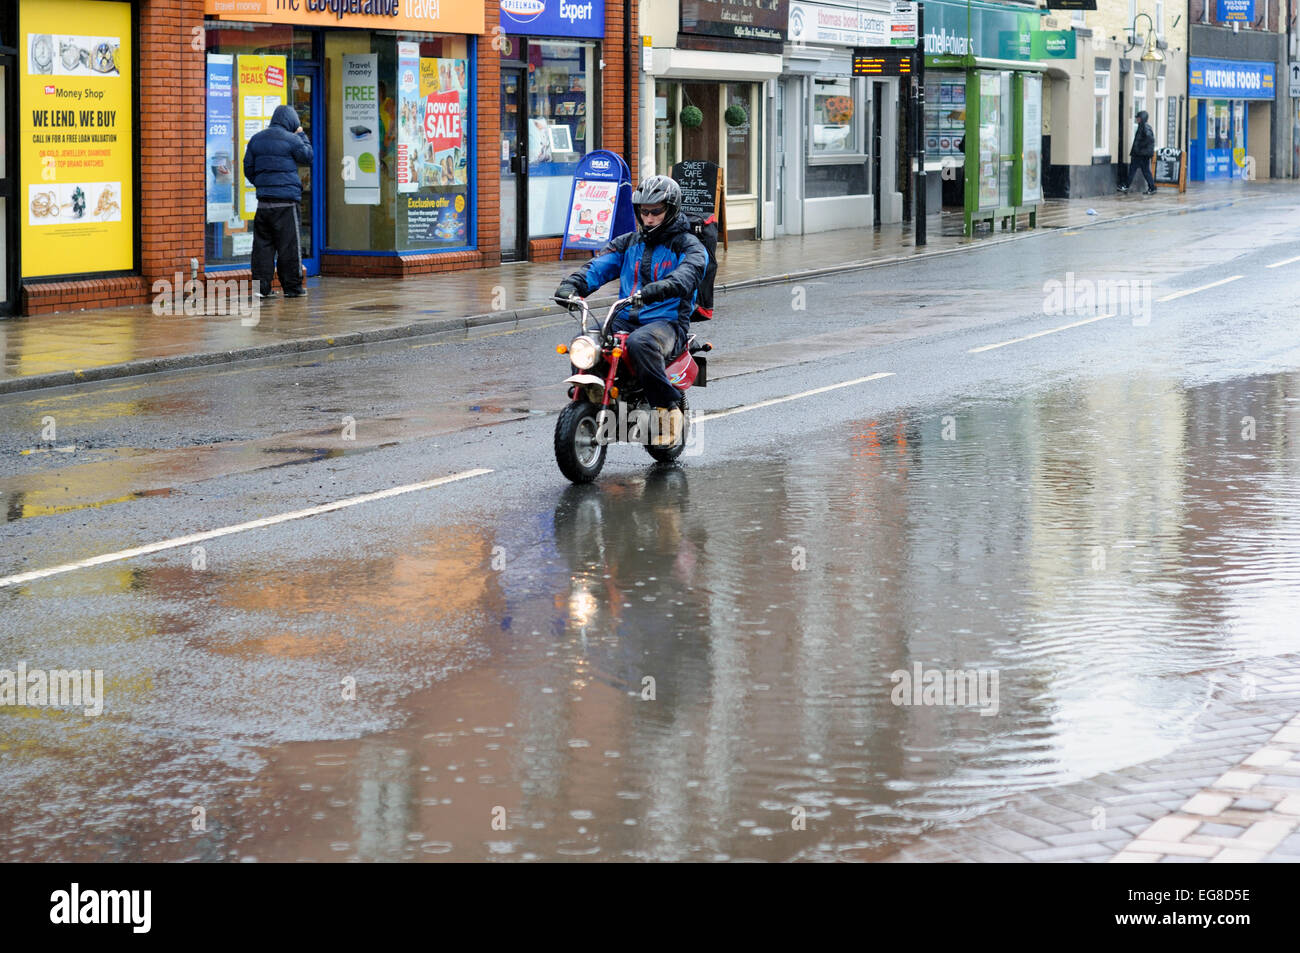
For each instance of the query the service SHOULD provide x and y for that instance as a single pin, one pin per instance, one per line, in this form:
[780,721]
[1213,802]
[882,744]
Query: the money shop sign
[77,155]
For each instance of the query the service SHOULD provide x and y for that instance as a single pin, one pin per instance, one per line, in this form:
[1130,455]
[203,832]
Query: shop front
[550,117]
[711,63]
[389,101]
[1227,97]
[837,136]
[984,65]
[69,160]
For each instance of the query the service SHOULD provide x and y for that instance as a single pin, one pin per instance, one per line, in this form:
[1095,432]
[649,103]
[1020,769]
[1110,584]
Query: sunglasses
[657,210]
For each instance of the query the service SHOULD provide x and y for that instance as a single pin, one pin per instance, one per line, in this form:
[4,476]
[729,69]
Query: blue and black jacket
[273,155]
[667,272]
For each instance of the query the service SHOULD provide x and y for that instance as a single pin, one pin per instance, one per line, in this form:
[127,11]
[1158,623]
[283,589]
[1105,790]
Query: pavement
[81,346]
[1231,794]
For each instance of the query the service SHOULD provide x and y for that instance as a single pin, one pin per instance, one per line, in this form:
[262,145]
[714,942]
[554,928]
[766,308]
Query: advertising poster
[444,103]
[989,147]
[220,157]
[76,151]
[410,135]
[260,92]
[439,213]
[360,98]
[591,217]
[1031,172]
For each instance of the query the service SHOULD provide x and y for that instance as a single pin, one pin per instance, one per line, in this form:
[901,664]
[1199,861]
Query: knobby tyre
[578,452]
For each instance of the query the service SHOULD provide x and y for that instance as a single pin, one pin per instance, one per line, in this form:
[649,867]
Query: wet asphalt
[1099,516]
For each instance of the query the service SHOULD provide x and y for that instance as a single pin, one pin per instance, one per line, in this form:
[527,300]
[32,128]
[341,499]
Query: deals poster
[261,91]
[361,134]
[77,155]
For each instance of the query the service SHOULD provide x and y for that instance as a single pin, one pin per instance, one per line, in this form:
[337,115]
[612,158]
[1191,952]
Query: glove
[655,291]
[566,290]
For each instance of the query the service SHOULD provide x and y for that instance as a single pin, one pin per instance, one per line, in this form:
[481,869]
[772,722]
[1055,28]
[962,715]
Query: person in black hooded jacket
[1144,147]
[271,163]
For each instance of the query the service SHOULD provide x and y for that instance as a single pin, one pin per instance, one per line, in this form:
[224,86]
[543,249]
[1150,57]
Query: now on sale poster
[76,149]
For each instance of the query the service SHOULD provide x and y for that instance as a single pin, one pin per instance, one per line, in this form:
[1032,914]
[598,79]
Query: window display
[945,114]
[560,81]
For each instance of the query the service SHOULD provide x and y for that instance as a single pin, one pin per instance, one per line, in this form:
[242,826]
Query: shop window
[733,144]
[742,151]
[1160,115]
[1101,114]
[424,164]
[945,117]
[233,119]
[1140,96]
[666,107]
[561,127]
[837,122]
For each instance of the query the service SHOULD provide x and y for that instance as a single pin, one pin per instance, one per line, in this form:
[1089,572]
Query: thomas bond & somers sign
[739,19]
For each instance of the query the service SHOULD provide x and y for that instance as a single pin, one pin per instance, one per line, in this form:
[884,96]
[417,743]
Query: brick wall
[489,137]
[614,51]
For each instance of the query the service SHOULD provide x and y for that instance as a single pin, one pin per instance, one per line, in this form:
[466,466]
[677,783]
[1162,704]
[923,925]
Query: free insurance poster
[361,143]
[76,151]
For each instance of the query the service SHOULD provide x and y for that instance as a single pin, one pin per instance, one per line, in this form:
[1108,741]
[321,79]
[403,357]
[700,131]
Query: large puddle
[698,663]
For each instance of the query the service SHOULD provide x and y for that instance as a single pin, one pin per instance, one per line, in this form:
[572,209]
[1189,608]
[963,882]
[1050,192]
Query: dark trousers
[275,236]
[1143,163]
[649,346]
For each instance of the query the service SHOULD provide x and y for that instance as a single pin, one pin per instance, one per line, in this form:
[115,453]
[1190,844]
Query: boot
[670,426]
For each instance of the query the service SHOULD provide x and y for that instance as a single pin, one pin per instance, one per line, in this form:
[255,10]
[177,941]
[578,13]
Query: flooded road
[650,669]
[854,620]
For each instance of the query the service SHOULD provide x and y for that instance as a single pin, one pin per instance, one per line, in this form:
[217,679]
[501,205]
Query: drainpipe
[629,124]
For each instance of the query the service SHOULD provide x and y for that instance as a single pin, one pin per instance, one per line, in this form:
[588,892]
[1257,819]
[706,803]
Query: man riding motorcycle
[661,263]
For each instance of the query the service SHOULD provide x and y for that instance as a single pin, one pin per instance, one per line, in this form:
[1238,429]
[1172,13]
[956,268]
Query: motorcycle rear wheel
[578,452]
[670,454]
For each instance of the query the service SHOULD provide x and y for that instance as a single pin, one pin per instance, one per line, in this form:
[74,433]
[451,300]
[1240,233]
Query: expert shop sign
[737,19]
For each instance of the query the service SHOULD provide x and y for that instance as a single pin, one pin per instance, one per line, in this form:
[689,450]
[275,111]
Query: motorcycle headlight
[584,352]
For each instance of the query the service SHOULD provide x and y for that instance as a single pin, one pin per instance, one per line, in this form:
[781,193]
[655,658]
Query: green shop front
[983,109]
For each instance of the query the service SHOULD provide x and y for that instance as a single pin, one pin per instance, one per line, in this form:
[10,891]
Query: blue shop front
[1223,95]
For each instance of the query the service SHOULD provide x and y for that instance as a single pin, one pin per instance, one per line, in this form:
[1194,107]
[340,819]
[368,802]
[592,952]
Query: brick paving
[1229,794]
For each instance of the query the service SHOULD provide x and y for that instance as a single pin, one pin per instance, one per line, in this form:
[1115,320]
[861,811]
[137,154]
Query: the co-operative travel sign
[554,17]
[1229,79]
[1236,11]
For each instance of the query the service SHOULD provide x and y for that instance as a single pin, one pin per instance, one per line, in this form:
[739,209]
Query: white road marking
[1279,264]
[782,400]
[1038,334]
[1192,291]
[237,528]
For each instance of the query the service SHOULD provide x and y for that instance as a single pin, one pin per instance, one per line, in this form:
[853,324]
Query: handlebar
[574,301]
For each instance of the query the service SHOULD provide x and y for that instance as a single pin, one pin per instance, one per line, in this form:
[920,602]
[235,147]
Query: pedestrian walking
[1144,147]
[271,163]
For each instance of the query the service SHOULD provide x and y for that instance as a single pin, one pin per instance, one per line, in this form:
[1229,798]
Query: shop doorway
[514,164]
[306,101]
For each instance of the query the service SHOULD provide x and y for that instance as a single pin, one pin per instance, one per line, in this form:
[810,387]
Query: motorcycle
[607,402]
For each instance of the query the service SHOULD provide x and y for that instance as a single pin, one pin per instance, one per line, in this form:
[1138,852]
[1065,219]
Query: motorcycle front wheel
[578,450]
